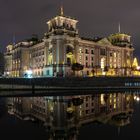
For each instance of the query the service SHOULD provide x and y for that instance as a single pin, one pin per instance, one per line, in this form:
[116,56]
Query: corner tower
[122,41]
[62,24]
[60,45]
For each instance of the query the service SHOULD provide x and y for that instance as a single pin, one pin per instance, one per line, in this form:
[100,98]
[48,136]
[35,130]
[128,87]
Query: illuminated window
[115,54]
[80,50]
[80,112]
[102,63]
[115,106]
[80,58]
[102,99]
[50,58]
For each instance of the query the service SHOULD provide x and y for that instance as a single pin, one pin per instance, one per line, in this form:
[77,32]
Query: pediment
[104,41]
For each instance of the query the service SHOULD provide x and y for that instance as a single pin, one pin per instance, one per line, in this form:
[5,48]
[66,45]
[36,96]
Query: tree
[96,69]
[93,72]
[77,67]
[106,69]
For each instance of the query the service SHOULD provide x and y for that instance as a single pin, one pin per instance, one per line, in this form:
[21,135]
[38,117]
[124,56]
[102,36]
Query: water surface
[74,117]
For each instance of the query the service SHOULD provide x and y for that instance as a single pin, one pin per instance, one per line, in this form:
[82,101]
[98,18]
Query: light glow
[28,74]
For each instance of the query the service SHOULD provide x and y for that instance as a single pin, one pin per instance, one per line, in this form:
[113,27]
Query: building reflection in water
[62,116]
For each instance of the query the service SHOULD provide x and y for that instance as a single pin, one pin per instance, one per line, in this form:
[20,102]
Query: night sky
[23,18]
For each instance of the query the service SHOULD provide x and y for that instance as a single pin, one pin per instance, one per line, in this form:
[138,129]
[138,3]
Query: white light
[138,67]
[28,74]
[135,97]
[138,99]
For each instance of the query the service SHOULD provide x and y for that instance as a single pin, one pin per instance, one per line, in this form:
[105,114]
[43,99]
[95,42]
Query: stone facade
[62,47]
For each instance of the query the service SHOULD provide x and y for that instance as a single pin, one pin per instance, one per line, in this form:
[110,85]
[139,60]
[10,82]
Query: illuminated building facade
[62,47]
[17,59]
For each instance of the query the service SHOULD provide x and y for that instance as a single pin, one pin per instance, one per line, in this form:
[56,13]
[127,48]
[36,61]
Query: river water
[112,116]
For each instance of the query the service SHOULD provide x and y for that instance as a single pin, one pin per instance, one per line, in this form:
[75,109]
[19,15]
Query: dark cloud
[96,18]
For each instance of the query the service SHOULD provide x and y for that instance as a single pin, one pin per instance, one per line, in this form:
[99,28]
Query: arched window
[69,49]
[69,54]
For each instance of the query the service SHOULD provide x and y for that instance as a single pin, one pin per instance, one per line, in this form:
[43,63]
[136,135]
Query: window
[92,58]
[68,61]
[39,73]
[92,51]
[111,54]
[86,51]
[102,52]
[115,54]
[86,64]
[80,59]
[92,64]
[80,50]
[87,111]
[92,110]
[102,63]
[86,58]
[48,72]
[69,49]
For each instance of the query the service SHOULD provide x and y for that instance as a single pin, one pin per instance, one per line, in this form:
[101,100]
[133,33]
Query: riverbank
[78,82]
[67,86]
